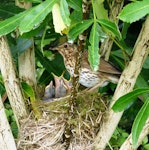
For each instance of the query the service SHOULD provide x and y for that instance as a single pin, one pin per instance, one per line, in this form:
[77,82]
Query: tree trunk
[27,67]
[27,71]
[125,85]
[11,82]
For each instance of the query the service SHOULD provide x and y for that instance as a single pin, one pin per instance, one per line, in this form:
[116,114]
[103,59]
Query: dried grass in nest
[47,133]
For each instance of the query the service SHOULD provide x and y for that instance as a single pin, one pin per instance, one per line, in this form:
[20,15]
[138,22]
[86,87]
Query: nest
[48,132]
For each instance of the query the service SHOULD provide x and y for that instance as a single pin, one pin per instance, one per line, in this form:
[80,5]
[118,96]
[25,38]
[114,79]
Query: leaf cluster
[37,22]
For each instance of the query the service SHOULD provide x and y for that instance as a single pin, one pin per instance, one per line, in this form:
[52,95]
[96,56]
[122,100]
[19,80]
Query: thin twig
[72,109]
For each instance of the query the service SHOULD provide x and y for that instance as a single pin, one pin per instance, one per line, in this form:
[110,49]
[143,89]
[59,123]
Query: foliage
[30,95]
[30,19]
[11,119]
[37,22]
[134,11]
[142,115]
[118,138]
[2,88]
[124,101]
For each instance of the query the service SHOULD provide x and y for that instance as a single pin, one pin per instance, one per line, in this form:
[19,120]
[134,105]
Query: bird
[87,77]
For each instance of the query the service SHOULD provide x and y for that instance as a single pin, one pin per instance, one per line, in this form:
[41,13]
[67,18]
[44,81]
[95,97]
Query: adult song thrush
[88,77]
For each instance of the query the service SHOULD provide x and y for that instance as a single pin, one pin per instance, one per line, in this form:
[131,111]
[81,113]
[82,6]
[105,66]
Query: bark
[27,59]
[128,143]
[6,138]
[27,70]
[11,81]
[27,67]
[125,85]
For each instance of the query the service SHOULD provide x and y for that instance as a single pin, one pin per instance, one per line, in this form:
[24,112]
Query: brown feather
[104,66]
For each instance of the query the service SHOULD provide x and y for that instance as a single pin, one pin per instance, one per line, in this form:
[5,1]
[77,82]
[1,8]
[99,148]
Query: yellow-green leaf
[58,22]
[35,16]
[28,90]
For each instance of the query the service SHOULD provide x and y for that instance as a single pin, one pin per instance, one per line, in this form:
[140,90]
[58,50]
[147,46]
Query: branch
[11,82]
[6,137]
[125,85]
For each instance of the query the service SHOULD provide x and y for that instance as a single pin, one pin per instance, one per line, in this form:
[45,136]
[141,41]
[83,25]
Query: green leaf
[12,23]
[94,47]
[146,63]
[79,28]
[111,28]
[100,11]
[146,146]
[14,129]
[34,1]
[125,100]
[28,90]
[30,94]
[75,4]
[76,16]
[65,12]
[117,55]
[35,16]
[56,66]
[125,29]
[141,83]
[7,112]
[45,78]
[6,12]
[139,122]
[38,32]
[2,88]
[134,11]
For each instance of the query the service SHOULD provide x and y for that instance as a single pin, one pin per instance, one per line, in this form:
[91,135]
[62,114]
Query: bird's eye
[65,46]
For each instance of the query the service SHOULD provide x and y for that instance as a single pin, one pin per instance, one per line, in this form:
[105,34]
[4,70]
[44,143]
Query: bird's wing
[104,66]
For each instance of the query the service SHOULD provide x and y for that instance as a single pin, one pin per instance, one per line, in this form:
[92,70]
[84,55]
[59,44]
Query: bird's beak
[57,48]
[53,49]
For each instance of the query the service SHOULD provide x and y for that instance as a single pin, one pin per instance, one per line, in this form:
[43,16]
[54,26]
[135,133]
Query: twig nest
[47,133]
